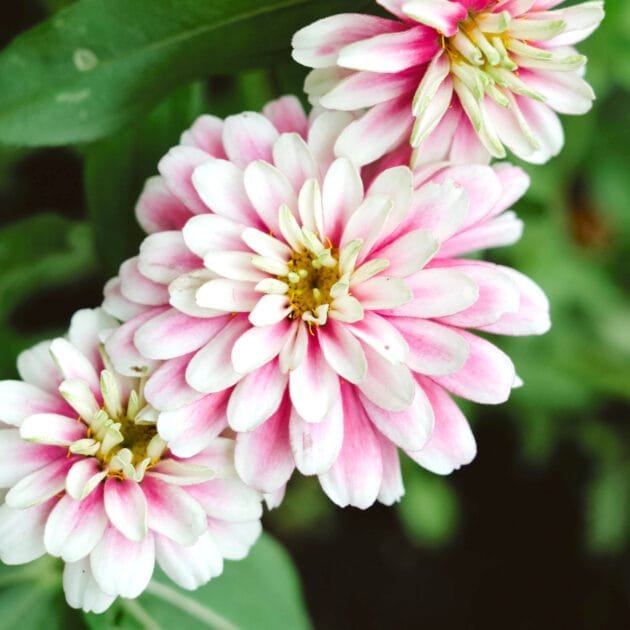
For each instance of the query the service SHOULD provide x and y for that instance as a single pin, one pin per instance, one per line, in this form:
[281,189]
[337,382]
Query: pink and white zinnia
[476,75]
[319,316]
[90,481]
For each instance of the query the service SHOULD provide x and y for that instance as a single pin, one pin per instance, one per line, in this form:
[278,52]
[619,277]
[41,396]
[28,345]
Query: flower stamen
[311,278]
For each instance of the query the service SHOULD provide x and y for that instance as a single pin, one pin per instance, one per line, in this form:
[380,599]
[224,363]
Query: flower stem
[189,606]
[141,615]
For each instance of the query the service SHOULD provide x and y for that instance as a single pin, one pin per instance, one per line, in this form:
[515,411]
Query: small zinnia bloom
[323,316]
[471,76]
[89,479]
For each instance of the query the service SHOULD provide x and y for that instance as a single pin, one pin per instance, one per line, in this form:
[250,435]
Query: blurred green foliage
[576,243]
[31,598]
[267,577]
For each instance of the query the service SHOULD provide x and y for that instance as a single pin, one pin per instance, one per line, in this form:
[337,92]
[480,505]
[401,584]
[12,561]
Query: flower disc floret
[121,435]
[310,282]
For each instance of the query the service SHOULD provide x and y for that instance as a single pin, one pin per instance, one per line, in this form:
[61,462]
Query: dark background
[533,534]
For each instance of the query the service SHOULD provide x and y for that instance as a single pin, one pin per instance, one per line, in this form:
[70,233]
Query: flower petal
[20,458]
[220,185]
[287,115]
[441,15]
[438,292]
[173,512]
[390,386]
[164,257]
[126,508]
[86,326]
[191,428]
[263,457]
[268,188]
[342,194]
[313,385]
[22,532]
[317,45]
[434,349]
[122,567]
[192,566]
[19,400]
[206,134]
[228,500]
[248,137]
[256,397]
[210,370]
[486,377]
[391,52]
[37,368]
[81,589]
[410,428]
[172,334]
[158,209]
[74,527]
[316,446]
[498,294]
[342,351]
[139,289]
[84,477]
[452,443]
[384,293]
[177,168]
[378,131]
[234,540]
[392,489]
[167,389]
[122,350]
[51,428]
[356,476]
[380,335]
[206,233]
[532,317]
[73,364]
[259,345]
[228,296]
[40,485]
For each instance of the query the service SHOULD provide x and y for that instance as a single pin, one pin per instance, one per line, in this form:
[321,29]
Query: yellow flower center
[122,435]
[136,438]
[310,281]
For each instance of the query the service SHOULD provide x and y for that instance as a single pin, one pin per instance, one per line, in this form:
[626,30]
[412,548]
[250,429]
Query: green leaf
[262,592]
[116,169]
[98,64]
[429,511]
[42,251]
[608,509]
[31,598]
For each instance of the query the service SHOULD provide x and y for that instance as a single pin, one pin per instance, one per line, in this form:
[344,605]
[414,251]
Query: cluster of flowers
[302,299]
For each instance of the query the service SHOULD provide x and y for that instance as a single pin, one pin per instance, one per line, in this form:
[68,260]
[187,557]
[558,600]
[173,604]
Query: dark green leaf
[99,64]
[608,509]
[116,169]
[42,251]
[429,511]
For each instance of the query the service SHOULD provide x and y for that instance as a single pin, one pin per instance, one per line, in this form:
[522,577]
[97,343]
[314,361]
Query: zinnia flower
[89,479]
[475,74]
[317,314]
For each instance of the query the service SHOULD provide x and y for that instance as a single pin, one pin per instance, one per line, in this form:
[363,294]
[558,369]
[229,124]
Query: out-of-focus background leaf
[98,64]
[31,597]
[252,593]
[536,532]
